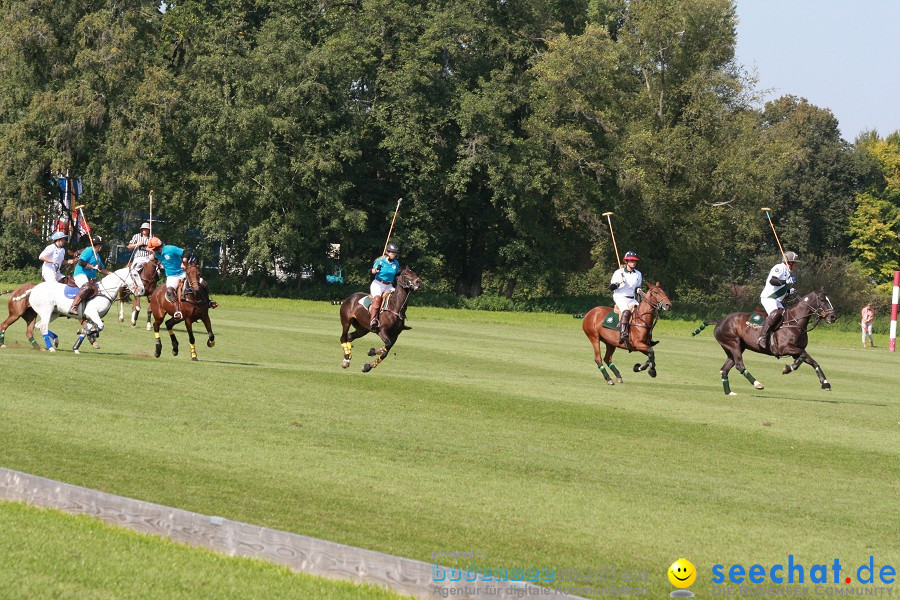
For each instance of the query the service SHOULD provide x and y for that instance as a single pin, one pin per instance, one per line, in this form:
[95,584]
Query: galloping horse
[195,306]
[19,308]
[735,334]
[640,332]
[391,321]
[149,274]
[48,299]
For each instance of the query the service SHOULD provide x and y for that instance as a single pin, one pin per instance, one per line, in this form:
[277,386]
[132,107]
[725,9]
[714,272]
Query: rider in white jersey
[624,284]
[779,284]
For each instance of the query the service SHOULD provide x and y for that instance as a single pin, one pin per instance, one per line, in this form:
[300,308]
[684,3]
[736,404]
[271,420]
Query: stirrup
[762,342]
[177,315]
[74,310]
[374,325]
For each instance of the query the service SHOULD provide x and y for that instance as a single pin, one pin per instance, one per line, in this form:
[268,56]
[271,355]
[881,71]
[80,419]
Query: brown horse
[195,305]
[640,332]
[391,320]
[735,333]
[149,274]
[19,308]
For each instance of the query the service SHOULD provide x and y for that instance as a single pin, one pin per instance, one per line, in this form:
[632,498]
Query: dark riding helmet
[630,256]
[392,247]
[97,240]
[790,256]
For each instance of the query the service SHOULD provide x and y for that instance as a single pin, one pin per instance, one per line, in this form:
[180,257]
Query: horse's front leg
[170,323]
[209,332]
[798,360]
[121,310]
[190,329]
[811,362]
[136,311]
[647,364]
[381,352]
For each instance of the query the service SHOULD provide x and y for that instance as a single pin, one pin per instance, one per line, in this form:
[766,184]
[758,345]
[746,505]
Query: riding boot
[373,313]
[623,325]
[83,292]
[772,322]
[178,314]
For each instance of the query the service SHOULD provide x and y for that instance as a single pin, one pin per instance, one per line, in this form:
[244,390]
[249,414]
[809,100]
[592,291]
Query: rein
[405,300]
[653,310]
[797,323]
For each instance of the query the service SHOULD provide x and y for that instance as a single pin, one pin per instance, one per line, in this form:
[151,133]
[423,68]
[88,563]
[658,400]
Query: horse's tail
[703,326]
[22,297]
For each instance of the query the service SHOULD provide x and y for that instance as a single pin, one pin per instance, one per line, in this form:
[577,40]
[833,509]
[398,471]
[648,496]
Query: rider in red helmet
[624,285]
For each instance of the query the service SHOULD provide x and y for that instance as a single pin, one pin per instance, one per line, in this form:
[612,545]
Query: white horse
[48,299]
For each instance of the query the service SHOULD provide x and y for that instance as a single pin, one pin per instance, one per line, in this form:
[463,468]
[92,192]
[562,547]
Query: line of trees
[276,128]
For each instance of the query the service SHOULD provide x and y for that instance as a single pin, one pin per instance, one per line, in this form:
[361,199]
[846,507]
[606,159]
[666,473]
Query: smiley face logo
[682,573]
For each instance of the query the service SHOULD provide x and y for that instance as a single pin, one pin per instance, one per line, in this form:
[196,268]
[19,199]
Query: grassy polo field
[482,431]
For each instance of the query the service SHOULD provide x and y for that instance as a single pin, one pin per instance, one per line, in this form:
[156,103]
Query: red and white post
[895,297]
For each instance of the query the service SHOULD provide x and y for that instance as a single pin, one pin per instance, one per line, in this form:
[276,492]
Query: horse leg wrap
[2,337]
[603,371]
[348,349]
[156,335]
[725,385]
[752,379]
[193,352]
[615,371]
[32,341]
[49,341]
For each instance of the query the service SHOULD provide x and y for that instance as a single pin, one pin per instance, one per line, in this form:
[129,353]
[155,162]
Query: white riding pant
[770,304]
[377,288]
[624,302]
[52,276]
[172,280]
[81,279]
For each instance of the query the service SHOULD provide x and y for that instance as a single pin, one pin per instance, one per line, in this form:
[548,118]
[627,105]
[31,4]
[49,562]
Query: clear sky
[843,55]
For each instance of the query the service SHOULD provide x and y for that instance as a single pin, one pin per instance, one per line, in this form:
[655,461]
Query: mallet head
[607,214]
[765,209]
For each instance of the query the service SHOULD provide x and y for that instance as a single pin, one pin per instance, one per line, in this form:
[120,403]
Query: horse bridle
[130,276]
[653,308]
[820,313]
[405,283]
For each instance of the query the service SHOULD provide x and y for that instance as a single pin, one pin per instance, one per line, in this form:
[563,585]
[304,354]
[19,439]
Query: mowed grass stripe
[50,554]
[478,434]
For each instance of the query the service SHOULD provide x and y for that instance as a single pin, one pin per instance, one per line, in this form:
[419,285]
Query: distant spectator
[868,316]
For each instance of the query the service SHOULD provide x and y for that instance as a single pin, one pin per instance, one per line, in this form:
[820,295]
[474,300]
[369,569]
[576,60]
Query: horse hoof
[372,352]
[345,363]
[210,343]
[194,359]
[758,385]
[366,368]
[175,352]
[637,367]
[787,369]
[149,327]
[95,345]
[652,372]
[610,382]
[826,387]
[121,320]
[157,353]
[732,394]
[619,380]
[56,342]
[51,349]
[2,345]
[133,324]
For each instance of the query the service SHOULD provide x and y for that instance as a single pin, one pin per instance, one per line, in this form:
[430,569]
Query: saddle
[366,301]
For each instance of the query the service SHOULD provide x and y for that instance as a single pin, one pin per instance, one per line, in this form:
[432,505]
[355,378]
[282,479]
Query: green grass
[485,431]
[51,554]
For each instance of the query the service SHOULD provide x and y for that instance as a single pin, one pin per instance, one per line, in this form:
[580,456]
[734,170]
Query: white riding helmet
[59,235]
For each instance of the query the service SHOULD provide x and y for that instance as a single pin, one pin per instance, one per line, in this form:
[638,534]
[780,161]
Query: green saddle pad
[756,320]
[611,321]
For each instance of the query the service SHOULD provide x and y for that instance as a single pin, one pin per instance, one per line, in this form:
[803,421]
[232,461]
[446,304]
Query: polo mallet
[766,210]
[88,227]
[613,236]
[151,213]
[391,230]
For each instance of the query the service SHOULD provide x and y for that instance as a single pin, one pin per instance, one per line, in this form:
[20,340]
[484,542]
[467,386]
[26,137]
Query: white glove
[791,291]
